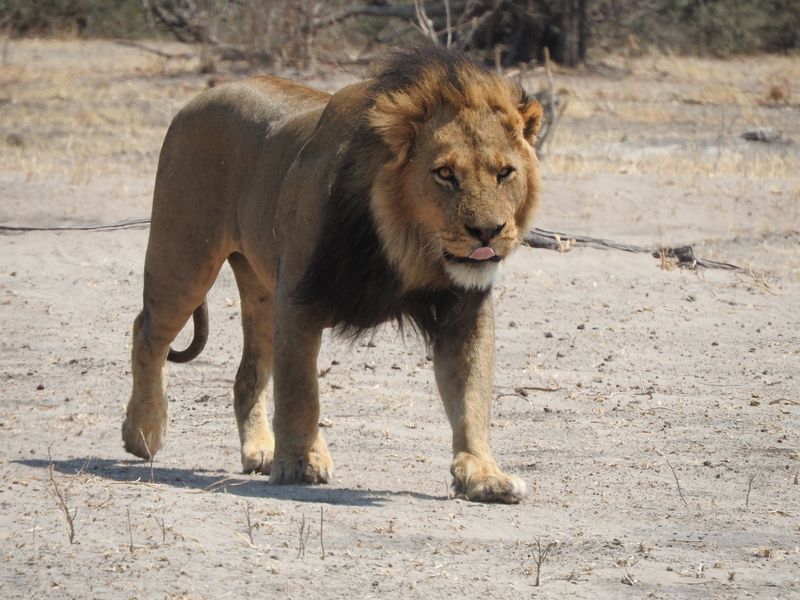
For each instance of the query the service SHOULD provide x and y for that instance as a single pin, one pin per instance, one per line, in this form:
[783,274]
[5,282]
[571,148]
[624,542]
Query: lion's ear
[532,113]
[395,118]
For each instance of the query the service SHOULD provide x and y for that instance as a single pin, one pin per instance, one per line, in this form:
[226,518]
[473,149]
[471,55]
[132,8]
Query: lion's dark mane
[349,282]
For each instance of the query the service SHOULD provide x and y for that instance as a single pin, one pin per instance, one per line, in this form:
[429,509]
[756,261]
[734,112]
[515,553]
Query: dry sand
[654,413]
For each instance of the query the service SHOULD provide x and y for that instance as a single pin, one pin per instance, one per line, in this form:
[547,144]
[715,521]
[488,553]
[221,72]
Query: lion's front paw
[315,466]
[480,480]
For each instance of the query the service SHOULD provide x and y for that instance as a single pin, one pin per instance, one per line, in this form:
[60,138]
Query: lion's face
[461,194]
[470,193]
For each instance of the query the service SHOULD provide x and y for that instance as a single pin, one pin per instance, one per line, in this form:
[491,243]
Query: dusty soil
[653,412]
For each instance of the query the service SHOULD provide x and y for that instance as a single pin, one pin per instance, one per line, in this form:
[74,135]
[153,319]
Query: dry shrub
[721,27]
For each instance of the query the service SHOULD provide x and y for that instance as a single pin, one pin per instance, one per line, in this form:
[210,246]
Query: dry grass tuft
[666,262]
[765,552]
[760,278]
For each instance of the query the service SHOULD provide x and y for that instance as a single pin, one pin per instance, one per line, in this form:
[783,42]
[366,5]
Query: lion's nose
[485,234]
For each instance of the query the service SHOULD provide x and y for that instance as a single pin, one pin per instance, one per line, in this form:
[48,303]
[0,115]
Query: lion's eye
[505,173]
[446,174]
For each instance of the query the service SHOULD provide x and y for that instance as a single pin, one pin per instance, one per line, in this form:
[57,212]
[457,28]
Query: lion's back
[224,159]
[243,113]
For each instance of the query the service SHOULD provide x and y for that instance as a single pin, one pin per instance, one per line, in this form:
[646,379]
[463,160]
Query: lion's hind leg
[168,305]
[146,417]
[250,390]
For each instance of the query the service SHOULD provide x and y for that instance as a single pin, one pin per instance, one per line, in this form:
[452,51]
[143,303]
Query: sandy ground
[654,413]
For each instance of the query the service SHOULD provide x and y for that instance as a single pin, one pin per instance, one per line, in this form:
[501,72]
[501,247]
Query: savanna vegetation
[290,32]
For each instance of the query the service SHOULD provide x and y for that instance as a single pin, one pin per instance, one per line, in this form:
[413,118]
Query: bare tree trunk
[571,49]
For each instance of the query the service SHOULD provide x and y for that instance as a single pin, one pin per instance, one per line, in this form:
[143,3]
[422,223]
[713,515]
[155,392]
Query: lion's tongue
[483,253]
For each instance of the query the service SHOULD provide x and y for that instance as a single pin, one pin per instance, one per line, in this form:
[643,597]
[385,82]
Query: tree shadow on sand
[199,480]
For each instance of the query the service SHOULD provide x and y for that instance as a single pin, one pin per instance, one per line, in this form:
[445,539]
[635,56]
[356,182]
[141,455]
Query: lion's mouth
[475,258]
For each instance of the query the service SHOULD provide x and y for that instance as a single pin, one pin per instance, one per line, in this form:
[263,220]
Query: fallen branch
[536,238]
[130,224]
[683,255]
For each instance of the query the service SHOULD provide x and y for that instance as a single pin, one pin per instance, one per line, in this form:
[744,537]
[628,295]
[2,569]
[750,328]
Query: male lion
[394,199]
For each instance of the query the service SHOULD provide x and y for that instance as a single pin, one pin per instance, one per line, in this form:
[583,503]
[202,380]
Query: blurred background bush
[295,32]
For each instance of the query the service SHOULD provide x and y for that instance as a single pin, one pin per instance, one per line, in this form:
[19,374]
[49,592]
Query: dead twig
[149,454]
[321,523]
[405,12]
[555,115]
[749,487]
[625,564]
[677,481]
[246,510]
[305,533]
[162,525]
[225,482]
[476,23]
[61,500]
[130,530]
[425,23]
[449,23]
[541,557]
[510,395]
[84,467]
[33,532]
[534,388]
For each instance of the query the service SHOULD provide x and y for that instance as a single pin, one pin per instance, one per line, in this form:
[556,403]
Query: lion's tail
[200,319]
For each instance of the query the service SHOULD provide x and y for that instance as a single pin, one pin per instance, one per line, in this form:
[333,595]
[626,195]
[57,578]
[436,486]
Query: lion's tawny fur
[393,199]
